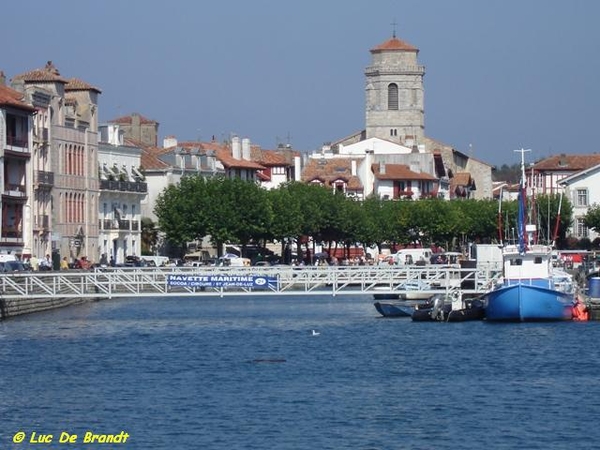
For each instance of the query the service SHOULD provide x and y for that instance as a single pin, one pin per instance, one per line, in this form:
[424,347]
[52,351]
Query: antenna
[393,24]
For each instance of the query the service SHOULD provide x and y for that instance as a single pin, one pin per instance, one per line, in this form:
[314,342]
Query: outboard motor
[437,312]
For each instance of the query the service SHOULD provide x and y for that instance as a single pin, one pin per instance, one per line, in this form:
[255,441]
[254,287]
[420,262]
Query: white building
[581,189]
[122,190]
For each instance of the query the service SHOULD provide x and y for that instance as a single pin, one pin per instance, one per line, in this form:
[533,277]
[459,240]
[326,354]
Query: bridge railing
[311,280]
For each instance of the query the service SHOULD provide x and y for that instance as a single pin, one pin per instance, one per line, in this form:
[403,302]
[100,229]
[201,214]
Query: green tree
[592,218]
[149,236]
[238,212]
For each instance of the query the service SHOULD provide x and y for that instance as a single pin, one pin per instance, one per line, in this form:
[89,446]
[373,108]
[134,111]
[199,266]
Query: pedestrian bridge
[228,281]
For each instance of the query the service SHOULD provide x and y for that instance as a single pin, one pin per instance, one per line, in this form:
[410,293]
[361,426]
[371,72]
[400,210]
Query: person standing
[34,263]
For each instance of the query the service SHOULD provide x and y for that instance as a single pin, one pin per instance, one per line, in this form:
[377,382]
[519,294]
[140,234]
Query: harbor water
[249,373]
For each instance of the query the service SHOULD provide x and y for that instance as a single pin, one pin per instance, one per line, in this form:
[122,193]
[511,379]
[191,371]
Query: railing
[327,281]
[44,178]
[124,186]
[405,68]
[125,224]
[17,141]
[14,190]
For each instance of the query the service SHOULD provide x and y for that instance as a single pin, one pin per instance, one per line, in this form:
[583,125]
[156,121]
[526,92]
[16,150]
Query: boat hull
[473,310]
[394,309]
[526,302]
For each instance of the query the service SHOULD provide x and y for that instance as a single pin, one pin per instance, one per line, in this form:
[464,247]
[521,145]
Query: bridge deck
[283,280]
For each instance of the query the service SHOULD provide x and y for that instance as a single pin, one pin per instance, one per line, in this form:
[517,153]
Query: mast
[523,229]
[500,216]
[555,236]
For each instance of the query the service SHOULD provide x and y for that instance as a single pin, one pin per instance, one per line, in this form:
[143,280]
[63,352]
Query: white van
[412,256]
[235,262]
[159,261]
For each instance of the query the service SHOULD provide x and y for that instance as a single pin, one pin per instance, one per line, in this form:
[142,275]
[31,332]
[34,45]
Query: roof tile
[49,73]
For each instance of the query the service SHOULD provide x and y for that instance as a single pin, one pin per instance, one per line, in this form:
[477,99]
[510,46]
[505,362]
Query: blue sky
[500,75]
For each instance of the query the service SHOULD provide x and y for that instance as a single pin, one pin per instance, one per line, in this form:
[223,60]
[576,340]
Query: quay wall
[16,307]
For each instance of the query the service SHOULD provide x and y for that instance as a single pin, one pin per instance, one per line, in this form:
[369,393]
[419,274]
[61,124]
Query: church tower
[394,94]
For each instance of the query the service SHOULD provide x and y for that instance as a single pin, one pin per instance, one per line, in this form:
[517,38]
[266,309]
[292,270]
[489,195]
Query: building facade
[123,189]
[65,162]
[394,94]
[16,118]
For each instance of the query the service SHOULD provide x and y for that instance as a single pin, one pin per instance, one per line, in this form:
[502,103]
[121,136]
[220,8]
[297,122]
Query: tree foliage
[241,212]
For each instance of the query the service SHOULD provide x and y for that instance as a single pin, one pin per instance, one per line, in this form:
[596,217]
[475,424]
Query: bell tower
[394,94]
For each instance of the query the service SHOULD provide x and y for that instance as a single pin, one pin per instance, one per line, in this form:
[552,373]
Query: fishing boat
[529,289]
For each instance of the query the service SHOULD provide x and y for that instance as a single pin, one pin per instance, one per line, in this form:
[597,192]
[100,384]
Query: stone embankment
[17,307]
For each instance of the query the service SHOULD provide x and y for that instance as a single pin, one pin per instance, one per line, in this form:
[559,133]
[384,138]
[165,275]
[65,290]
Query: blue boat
[529,290]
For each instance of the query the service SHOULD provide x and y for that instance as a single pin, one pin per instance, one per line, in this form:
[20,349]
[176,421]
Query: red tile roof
[399,172]
[10,97]
[229,162]
[394,44]
[222,153]
[47,74]
[76,84]
[564,162]
[270,158]
[331,170]
[461,179]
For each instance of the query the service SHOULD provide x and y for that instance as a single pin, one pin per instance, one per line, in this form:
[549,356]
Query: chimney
[169,141]
[246,149]
[353,165]
[236,148]
[297,168]
[2,78]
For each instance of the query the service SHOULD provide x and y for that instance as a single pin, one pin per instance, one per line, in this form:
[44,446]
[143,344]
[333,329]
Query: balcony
[123,225]
[19,144]
[41,222]
[14,191]
[123,186]
[11,234]
[44,179]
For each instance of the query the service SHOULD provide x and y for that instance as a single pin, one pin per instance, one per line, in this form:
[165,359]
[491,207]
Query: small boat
[415,290]
[394,309]
[454,310]
[531,288]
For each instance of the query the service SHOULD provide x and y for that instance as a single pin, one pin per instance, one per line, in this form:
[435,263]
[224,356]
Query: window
[393,96]
[582,230]
[582,197]
[393,132]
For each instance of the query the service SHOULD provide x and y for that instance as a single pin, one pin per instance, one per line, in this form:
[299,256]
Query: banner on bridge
[220,281]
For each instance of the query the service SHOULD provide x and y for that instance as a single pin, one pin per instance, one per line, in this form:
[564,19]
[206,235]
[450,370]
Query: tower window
[393,96]
[393,132]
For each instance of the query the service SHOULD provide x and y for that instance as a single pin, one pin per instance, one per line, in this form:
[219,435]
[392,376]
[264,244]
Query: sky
[500,75]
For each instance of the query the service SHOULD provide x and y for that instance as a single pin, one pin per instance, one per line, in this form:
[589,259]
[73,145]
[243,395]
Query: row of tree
[241,212]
